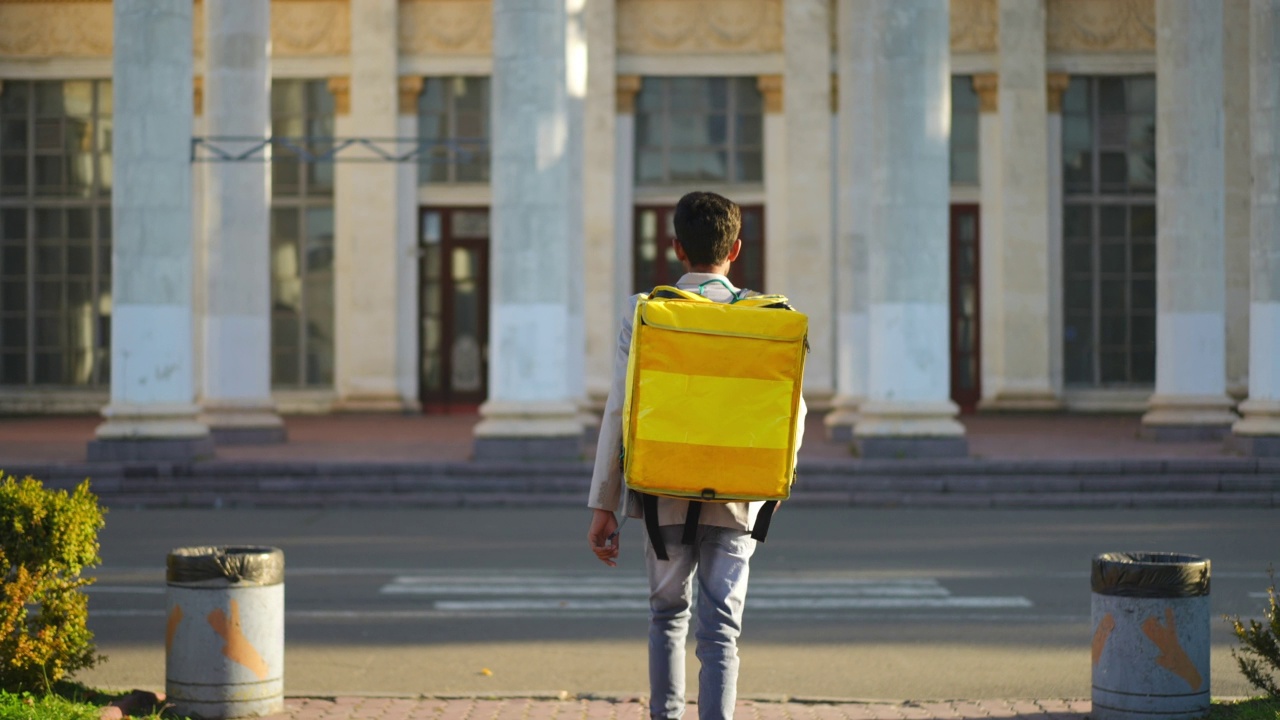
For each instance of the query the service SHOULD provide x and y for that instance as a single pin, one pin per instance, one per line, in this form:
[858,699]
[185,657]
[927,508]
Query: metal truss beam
[312,149]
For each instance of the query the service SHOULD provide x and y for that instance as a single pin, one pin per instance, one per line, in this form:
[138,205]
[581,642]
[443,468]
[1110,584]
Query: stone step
[968,483]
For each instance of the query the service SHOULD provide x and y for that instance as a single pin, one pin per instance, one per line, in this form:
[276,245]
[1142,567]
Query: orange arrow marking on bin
[175,619]
[1172,657]
[237,648]
[1101,635]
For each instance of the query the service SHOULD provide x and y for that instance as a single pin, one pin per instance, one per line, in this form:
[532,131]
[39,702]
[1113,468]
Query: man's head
[707,227]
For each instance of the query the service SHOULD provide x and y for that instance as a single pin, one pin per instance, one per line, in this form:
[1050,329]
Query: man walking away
[707,242]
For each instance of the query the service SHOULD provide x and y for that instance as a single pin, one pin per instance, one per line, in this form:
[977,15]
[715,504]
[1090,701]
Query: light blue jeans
[719,558]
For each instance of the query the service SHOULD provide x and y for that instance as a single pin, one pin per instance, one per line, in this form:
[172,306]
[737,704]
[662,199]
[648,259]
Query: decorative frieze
[64,29]
[310,27]
[699,27]
[449,27]
[770,87]
[1101,25]
[975,25]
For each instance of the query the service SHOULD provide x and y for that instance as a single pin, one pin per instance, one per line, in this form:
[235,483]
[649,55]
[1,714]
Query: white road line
[763,604]
[1258,595]
[557,590]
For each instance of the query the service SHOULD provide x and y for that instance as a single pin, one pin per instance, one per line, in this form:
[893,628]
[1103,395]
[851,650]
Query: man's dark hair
[706,226]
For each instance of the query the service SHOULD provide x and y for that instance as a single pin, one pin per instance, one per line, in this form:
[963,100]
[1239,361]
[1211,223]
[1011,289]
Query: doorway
[654,260]
[965,301]
[453,308]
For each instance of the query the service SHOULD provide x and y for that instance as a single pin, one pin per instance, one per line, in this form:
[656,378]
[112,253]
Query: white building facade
[982,205]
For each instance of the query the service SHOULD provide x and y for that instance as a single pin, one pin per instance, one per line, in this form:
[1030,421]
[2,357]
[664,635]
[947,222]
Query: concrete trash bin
[224,644]
[1150,636]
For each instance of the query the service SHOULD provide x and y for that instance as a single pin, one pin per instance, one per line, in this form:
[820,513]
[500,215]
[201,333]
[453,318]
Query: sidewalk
[447,438]
[359,708]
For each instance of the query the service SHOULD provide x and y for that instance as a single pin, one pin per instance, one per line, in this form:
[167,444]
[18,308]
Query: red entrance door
[966,364]
[454,308]
[654,260]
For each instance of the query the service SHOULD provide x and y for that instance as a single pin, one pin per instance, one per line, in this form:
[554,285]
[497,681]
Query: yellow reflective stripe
[677,470]
[692,409]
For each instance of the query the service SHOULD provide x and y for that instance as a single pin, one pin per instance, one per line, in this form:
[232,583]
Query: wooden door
[966,359]
[454,308]
[654,260]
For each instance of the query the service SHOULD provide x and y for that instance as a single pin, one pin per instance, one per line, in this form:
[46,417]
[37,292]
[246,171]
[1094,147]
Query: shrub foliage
[47,537]
[1259,654]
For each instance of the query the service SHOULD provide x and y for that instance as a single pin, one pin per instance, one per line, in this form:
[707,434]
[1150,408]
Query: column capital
[340,86]
[197,94]
[410,87]
[626,87]
[771,87]
[987,85]
[1056,84]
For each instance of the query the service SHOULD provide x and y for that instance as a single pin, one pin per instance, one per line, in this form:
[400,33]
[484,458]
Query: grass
[68,701]
[1256,709]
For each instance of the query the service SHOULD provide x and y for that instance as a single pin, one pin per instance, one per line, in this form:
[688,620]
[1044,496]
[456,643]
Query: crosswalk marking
[594,594]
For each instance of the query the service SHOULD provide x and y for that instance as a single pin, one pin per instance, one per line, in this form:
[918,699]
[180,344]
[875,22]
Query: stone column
[601,215]
[853,209]
[990,260]
[1258,432]
[624,189]
[776,178]
[152,414]
[407,323]
[532,411]
[1235,73]
[908,411]
[1190,399]
[1019,375]
[803,270]
[1057,84]
[365,257]
[236,392]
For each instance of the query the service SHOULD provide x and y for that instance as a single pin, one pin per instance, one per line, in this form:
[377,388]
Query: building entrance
[453,308]
[654,260]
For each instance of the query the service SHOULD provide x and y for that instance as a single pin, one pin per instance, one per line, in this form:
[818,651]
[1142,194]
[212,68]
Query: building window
[964,131]
[1109,231]
[453,125]
[301,238]
[55,233]
[691,129]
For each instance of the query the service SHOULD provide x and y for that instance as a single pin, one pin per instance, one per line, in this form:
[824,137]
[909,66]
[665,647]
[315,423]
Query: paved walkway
[445,438]
[360,708]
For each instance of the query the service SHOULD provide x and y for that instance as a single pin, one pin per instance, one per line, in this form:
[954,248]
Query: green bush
[47,537]
[1259,655]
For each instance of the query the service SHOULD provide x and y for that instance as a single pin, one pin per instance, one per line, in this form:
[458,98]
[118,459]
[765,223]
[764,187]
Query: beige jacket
[606,480]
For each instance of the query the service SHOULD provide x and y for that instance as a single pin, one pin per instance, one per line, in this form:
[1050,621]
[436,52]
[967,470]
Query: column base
[843,416]
[909,430]
[1258,432]
[243,423]
[167,433]
[1022,401]
[529,431]
[1188,418]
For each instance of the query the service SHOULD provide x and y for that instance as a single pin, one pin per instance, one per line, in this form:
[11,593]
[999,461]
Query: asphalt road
[888,604]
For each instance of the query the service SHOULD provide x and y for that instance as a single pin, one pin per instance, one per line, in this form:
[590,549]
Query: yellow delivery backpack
[712,402]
